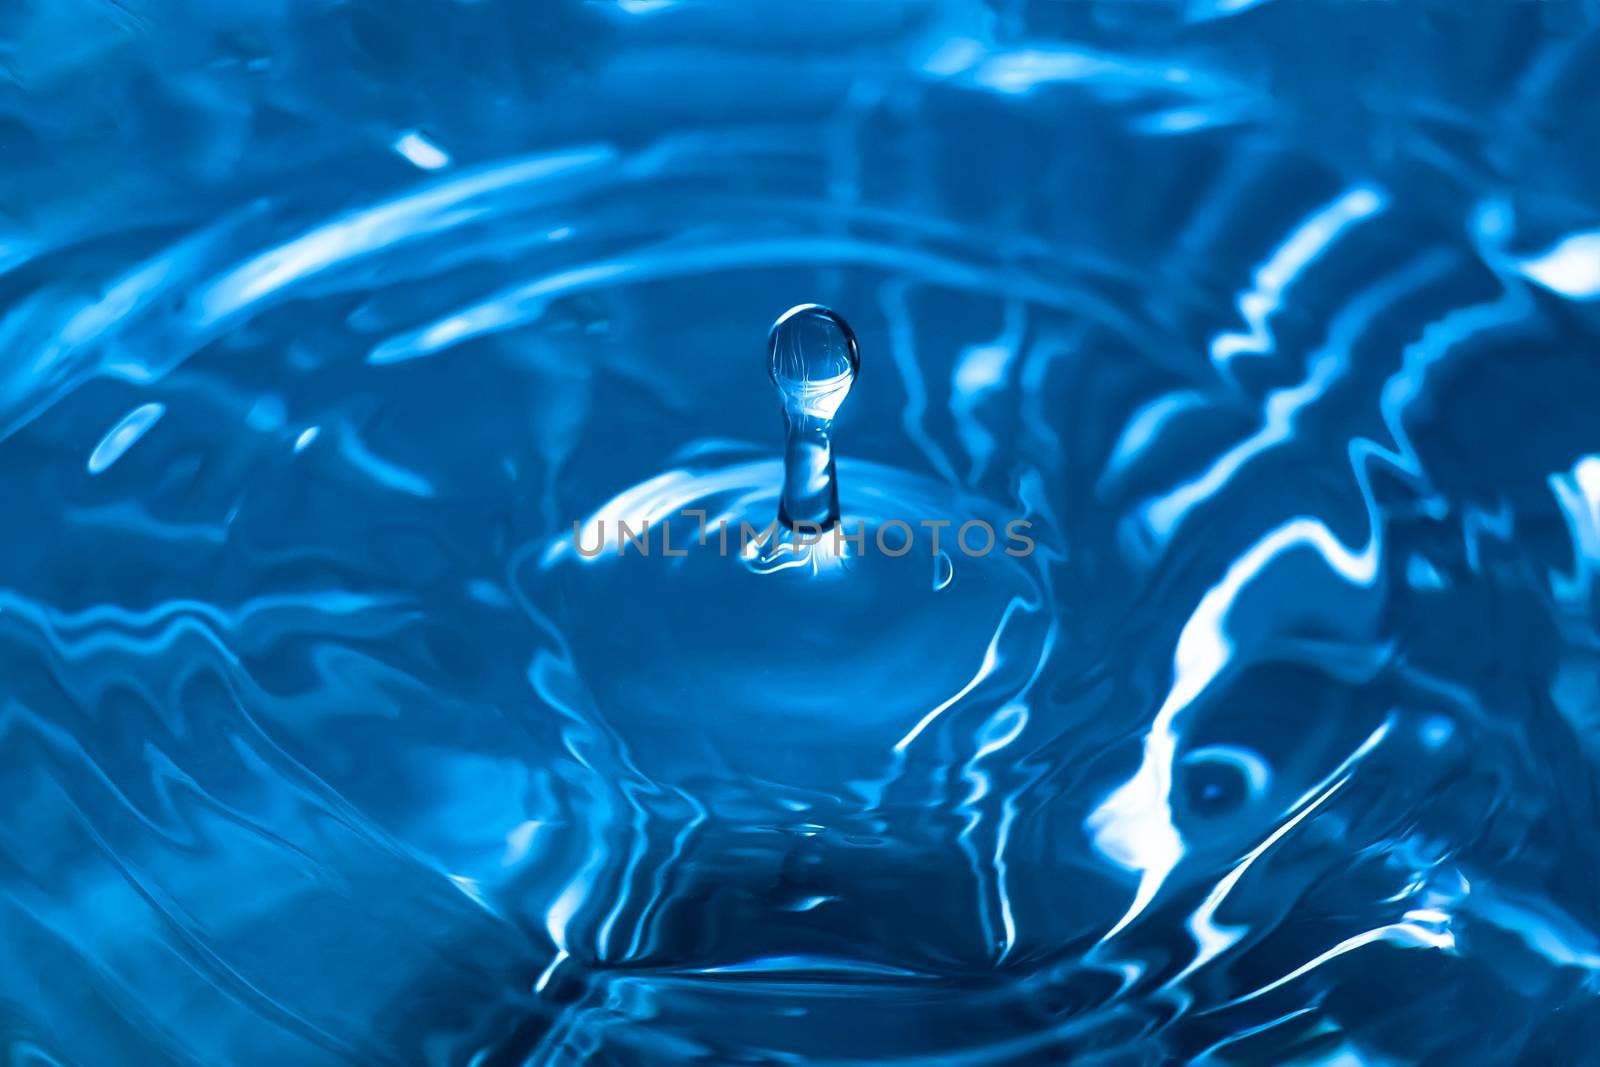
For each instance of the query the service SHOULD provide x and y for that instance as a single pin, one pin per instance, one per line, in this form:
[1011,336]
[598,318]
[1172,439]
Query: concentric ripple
[328,336]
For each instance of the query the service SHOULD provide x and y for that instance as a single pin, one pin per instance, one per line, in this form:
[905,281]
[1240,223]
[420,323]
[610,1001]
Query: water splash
[325,744]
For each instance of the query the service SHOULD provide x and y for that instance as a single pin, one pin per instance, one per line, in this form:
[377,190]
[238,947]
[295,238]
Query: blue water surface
[322,322]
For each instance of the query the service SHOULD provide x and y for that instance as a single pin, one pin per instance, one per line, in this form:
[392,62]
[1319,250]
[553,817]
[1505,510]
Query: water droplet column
[813,359]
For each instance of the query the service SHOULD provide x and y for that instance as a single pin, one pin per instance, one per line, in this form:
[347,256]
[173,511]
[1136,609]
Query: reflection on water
[320,326]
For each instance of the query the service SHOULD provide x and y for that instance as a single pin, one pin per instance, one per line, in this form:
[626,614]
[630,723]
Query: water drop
[813,360]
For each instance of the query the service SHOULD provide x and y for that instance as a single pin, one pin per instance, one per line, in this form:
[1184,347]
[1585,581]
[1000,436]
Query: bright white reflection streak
[1214,939]
[1299,251]
[1415,933]
[430,210]
[1133,826]
[420,151]
[1571,267]
[991,660]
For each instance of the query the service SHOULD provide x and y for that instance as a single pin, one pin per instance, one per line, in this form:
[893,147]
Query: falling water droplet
[813,360]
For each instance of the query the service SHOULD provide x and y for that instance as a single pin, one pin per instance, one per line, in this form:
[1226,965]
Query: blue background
[321,323]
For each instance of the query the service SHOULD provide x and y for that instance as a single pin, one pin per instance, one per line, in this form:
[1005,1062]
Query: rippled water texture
[322,323]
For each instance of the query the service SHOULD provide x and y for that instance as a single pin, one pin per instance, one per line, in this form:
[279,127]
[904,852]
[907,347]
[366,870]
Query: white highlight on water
[132,426]
[421,151]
